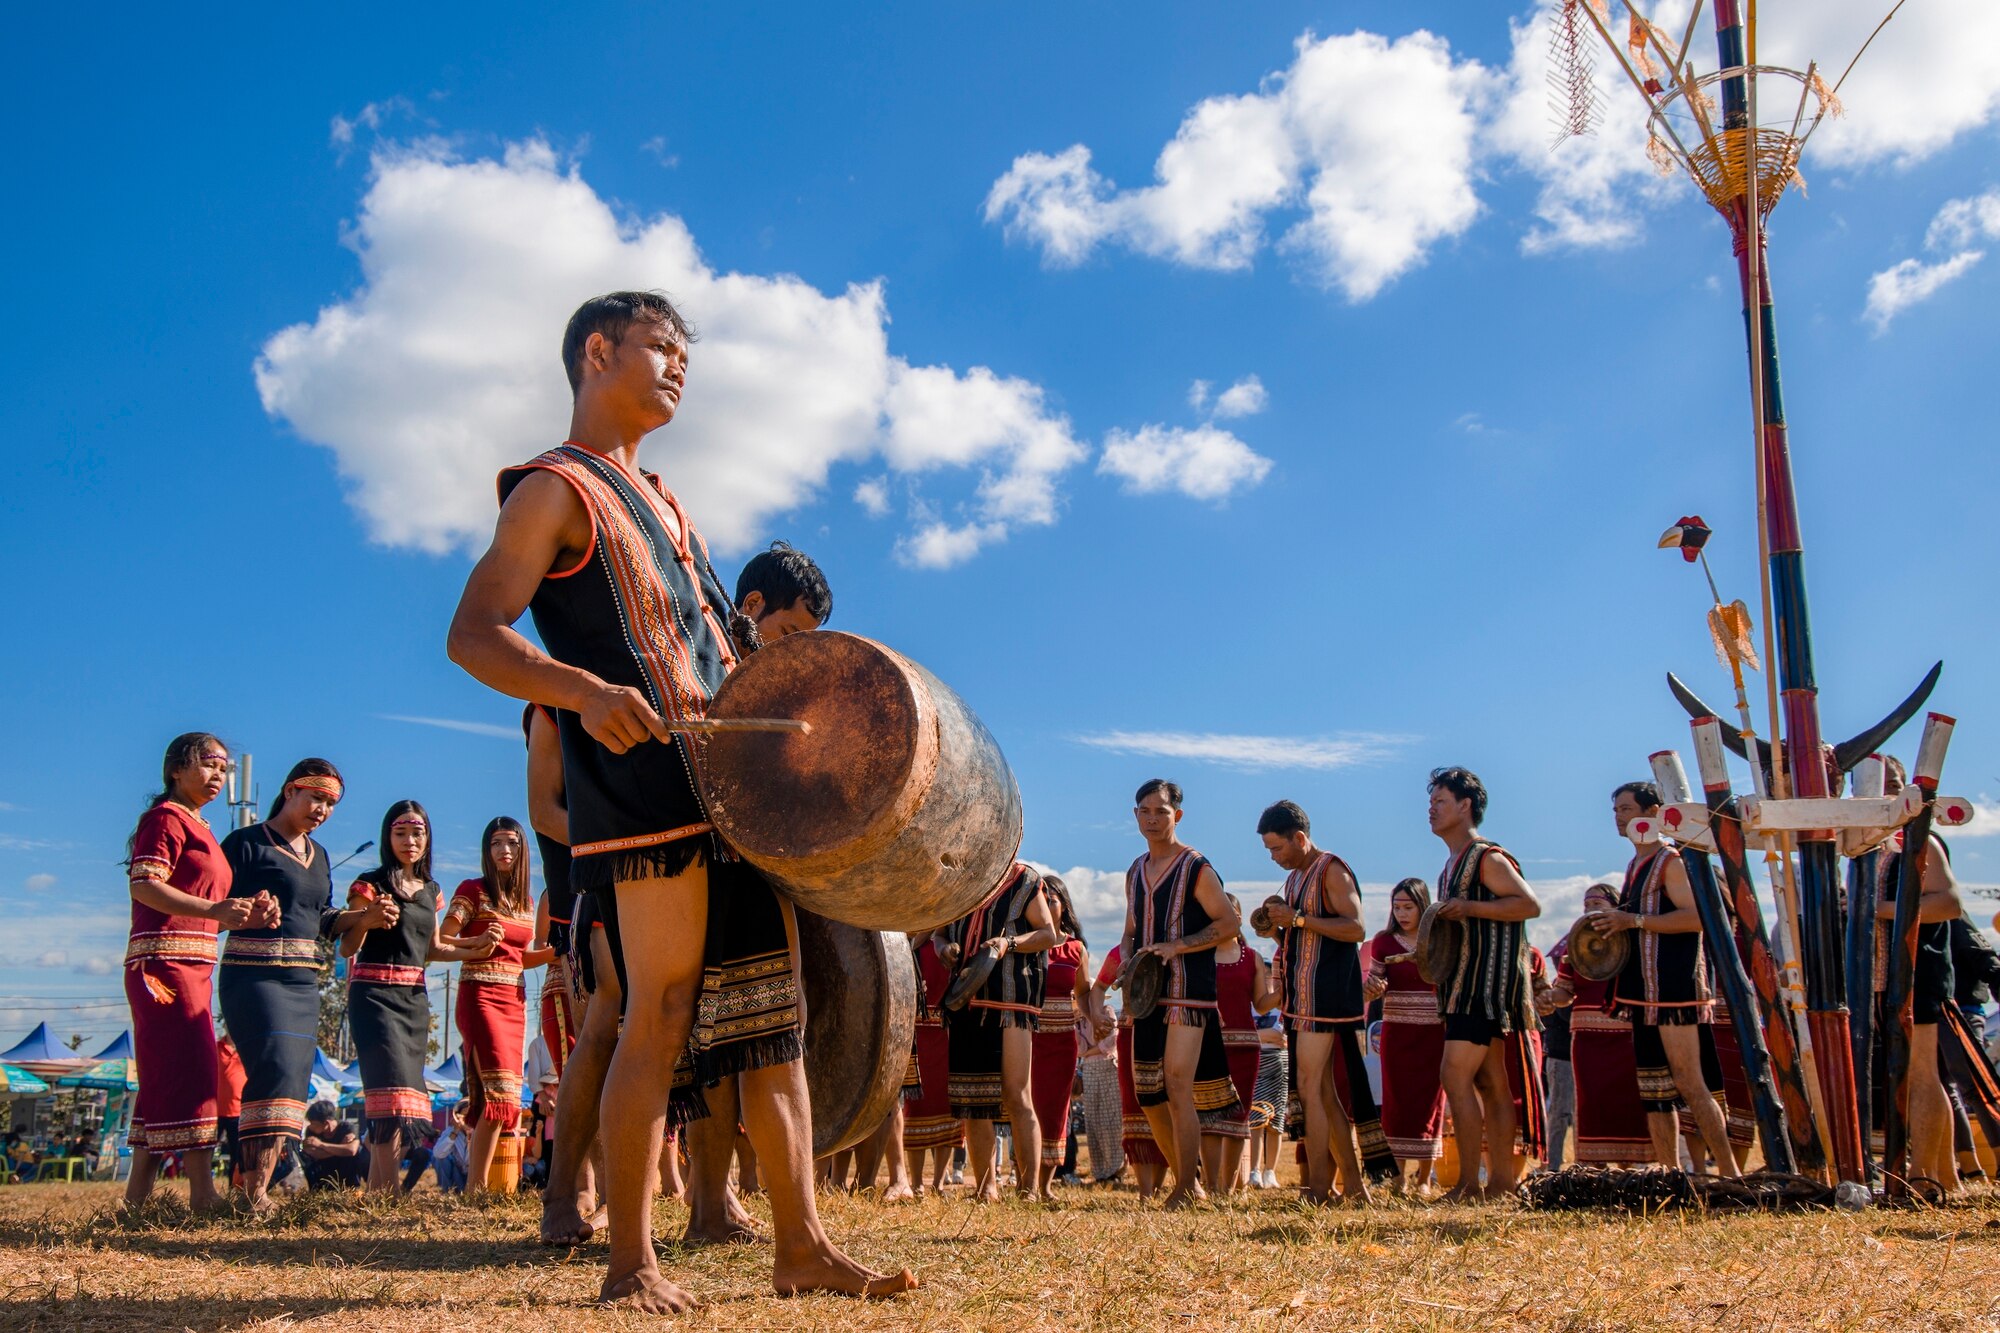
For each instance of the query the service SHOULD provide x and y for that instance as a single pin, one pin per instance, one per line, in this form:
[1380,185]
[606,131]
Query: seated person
[450,1153]
[334,1154]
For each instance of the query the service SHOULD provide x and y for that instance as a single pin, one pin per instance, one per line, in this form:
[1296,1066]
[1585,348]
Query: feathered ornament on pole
[1707,125]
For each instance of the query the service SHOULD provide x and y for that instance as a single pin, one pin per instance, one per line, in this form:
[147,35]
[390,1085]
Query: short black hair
[1170,790]
[612,314]
[1645,793]
[1464,784]
[323,1110]
[785,574]
[1284,819]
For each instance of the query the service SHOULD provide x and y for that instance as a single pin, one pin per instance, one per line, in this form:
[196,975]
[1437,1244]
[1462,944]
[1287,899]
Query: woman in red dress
[1610,1120]
[1412,1039]
[1149,1164]
[928,1124]
[180,898]
[492,997]
[1243,986]
[1052,1070]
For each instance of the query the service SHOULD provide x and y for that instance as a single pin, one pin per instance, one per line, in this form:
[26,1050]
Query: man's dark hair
[785,574]
[1645,793]
[1464,784]
[612,314]
[1284,819]
[323,1110]
[1170,790]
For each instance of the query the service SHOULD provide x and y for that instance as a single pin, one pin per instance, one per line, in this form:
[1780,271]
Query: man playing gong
[1175,910]
[991,1035]
[633,617]
[1318,967]
[1485,993]
[1663,991]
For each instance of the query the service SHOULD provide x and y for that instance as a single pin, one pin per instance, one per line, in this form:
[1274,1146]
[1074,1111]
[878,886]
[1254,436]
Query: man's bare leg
[714,1215]
[139,1185]
[981,1150]
[1929,1150]
[664,924]
[1235,1166]
[571,1214]
[260,1160]
[1213,1149]
[891,1135]
[779,1117]
[1340,1141]
[1683,1045]
[1183,1054]
[1315,1065]
[1460,1071]
[1148,1175]
[1503,1169]
[1017,1095]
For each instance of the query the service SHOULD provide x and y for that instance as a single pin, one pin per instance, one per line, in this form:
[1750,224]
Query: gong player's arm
[542,527]
[1043,935]
[1223,925]
[1513,900]
[1338,891]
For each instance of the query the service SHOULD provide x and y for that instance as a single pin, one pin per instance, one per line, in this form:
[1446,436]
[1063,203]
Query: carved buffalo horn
[1731,736]
[1850,753]
[1847,753]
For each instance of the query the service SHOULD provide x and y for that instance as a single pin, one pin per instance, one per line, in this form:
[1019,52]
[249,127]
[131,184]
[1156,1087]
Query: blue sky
[287,293]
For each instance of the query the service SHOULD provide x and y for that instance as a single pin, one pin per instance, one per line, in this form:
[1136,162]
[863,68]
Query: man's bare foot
[830,1270]
[991,1194]
[1185,1198]
[900,1192]
[564,1222]
[1461,1194]
[645,1291]
[261,1205]
[729,1231]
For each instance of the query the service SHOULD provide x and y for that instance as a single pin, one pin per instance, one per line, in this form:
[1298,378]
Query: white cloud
[52,958]
[453,724]
[97,965]
[1957,227]
[1245,398]
[939,545]
[1198,394]
[341,132]
[1249,752]
[1206,463]
[41,883]
[442,367]
[872,494]
[1370,139]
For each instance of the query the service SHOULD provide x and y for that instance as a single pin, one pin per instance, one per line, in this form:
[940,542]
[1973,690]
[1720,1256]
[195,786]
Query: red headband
[318,782]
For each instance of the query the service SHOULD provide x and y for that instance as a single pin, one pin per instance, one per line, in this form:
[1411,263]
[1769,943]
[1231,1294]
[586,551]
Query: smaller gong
[1596,957]
[1144,986]
[1438,941]
[971,978]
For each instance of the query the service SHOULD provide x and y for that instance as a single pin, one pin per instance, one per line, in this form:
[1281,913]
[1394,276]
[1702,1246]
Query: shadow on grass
[358,1253]
[198,1314]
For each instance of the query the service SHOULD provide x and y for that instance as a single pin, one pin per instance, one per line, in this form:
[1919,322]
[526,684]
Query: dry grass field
[1097,1261]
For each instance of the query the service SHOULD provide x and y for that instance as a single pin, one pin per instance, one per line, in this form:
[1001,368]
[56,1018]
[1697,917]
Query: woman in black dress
[388,1003]
[269,978]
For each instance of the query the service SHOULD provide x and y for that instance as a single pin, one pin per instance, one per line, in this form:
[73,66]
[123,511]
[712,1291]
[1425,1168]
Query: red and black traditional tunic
[1489,977]
[1166,910]
[169,976]
[927,1118]
[492,1004]
[389,1008]
[1319,978]
[1412,1055]
[1011,997]
[645,609]
[1055,1048]
[1665,979]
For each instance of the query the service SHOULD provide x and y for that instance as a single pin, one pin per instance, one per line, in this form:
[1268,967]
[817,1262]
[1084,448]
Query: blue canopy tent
[445,1080]
[120,1048]
[43,1056]
[17,1082]
[326,1067]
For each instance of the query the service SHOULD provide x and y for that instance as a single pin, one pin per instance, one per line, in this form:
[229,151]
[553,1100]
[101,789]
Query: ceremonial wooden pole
[1730,975]
[1899,1001]
[1861,875]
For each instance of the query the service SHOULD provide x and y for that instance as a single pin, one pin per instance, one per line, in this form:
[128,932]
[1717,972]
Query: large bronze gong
[1438,942]
[897,811]
[861,1016]
[1597,957]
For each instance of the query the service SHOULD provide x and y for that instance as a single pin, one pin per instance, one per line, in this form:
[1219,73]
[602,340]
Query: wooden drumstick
[715,724]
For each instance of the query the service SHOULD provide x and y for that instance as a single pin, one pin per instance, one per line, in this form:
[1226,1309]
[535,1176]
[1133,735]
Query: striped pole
[1802,770]
[1753,946]
[1869,780]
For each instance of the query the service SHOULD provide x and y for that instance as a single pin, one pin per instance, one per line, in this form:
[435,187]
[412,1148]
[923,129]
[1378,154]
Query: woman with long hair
[496,912]
[1412,1037]
[1066,981]
[388,1003]
[180,898]
[1243,985]
[270,973]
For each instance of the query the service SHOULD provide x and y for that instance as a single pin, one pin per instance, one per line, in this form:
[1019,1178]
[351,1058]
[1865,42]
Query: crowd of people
[670,1012]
